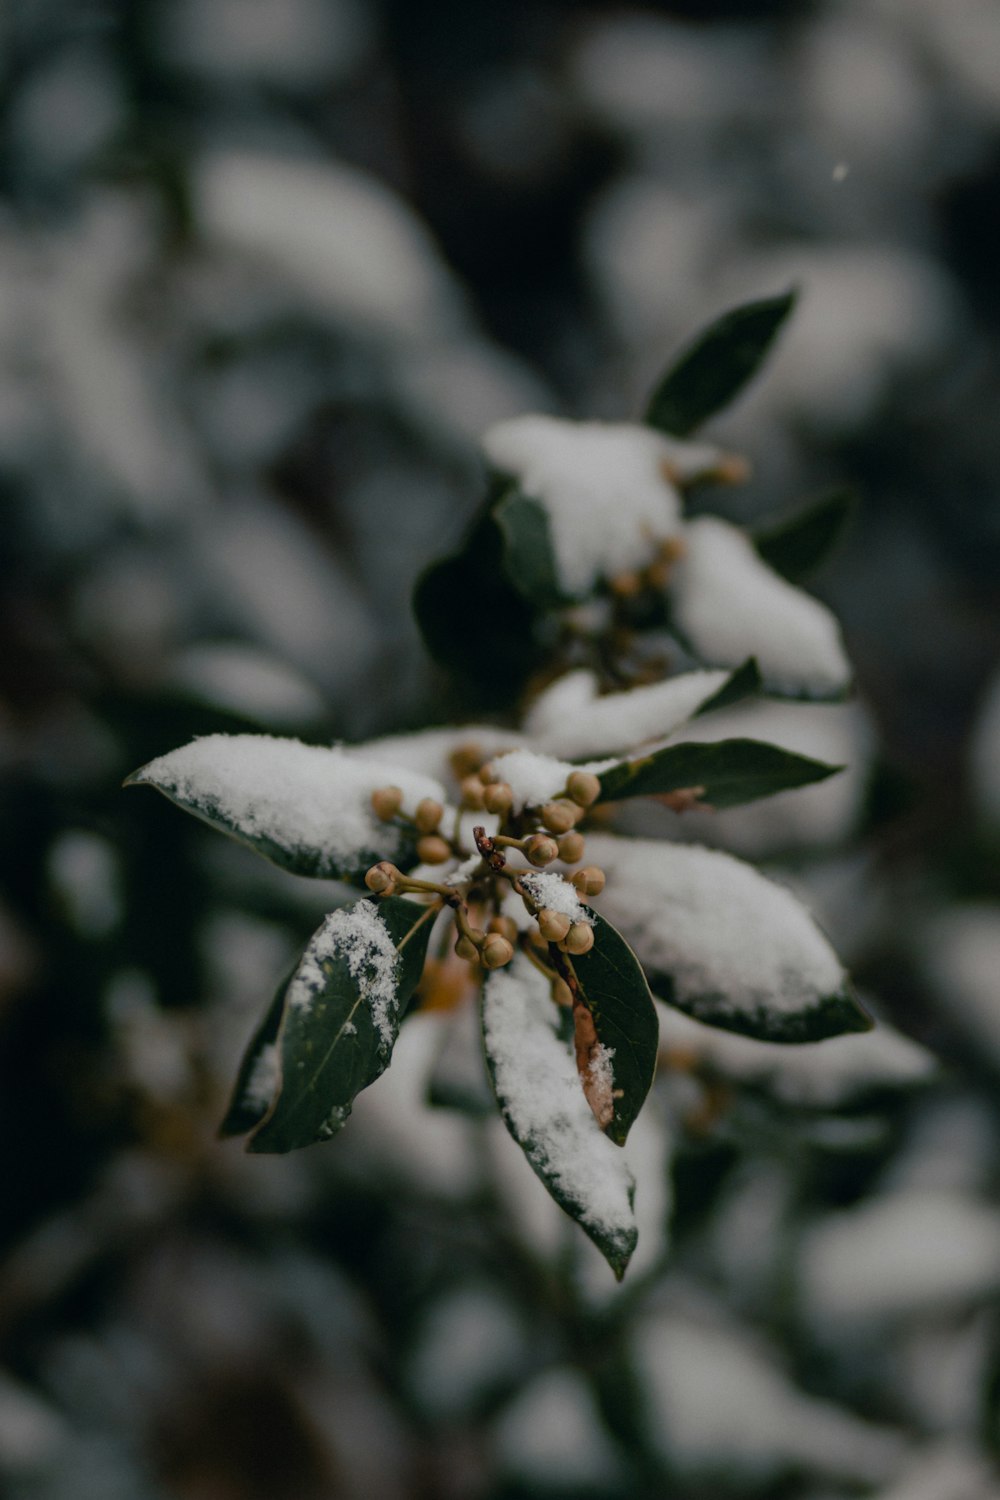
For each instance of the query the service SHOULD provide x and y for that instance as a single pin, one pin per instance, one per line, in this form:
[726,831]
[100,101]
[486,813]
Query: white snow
[470,1342]
[960,948]
[730,605]
[552,1434]
[602,486]
[262,1082]
[83,869]
[951,1470]
[338,235]
[427,750]
[817,1075]
[563,722]
[535,778]
[551,890]
[303,798]
[359,936]
[718,1402]
[732,941]
[543,1101]
[242,678]
[904,1254]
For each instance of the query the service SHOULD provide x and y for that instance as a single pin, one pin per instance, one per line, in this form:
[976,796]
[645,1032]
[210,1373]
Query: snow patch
[359,936]
[563,722]
[551,890]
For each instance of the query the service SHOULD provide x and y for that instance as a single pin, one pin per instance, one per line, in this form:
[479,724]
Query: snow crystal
[359,936]
[550,890]
[906,1253]
[535,778]
[730,605]
[301,798]
[620,721]
[732,941]
[539,1087]
[820,1075]
[602,486]
[262,1082]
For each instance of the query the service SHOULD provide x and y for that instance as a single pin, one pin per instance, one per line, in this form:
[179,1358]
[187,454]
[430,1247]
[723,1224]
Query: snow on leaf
[723,943]
[306,807]
[538,1089]
[603,487]
[728,603]
[619,721]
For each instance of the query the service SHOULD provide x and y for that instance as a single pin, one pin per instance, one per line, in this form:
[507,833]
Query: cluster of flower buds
[554,836]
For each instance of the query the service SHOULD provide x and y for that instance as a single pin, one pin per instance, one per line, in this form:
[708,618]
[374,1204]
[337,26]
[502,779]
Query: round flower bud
[466,948]
[428,815]
[506,926]
[626,585]
[589,881]
[561,992]
[571,847]
[498,798]
[559,816]
[540,850]
[496,951]
[386,802]
[579,939]
[584,788]
[465,760]
[381,878]
[487,774]
[553,925]
[432,849]
[472,794]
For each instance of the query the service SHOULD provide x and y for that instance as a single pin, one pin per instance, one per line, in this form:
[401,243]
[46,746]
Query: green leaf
[624,1015]
[724,944]
[795,547]
[730,772]
[306,808]
[533,1072]
[257,1081]
[340,1017]
[716,366]
[744,682]
[496,657]
[529,560]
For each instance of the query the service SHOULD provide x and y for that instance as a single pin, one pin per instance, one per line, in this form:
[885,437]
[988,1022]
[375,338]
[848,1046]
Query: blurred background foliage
[266,271]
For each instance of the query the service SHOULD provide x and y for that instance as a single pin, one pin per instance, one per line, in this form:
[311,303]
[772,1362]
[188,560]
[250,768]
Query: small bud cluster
[542,835]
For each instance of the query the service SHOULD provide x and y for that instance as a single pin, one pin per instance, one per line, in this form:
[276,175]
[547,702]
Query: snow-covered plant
[488,854]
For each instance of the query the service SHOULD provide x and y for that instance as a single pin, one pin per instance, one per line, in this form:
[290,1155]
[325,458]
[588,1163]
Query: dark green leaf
[331,1043]
[274,802]
[534,1077]
[619,1000]
[529,561]
[796,547]
[715,367]
[731,772]
[496,657]
[828,1016]
[745,682]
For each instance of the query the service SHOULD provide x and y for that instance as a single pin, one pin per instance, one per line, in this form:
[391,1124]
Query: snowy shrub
[487,854]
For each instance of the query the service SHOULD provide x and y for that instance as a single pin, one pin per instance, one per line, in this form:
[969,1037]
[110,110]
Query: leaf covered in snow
[723,943]
[305,807]
[339,1018]
[726,773]
[625,1022]
[717,365]
[538,1089]
[727,603]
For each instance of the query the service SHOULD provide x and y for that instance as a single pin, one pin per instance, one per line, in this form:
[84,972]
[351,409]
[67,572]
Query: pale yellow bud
[579,939]
[571,847]
[506,926]
[432,849]
[428,815]
[472,794]
[584,788]
[540,850]
[381,878]
[496,951]
[561,993]
[553,925]
[498,798]
[466,948]
[465,760]
[589,881]
[559,816]
[386,802]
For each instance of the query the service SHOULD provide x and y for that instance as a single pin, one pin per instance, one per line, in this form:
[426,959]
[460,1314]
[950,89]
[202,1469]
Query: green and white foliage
[491,852]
